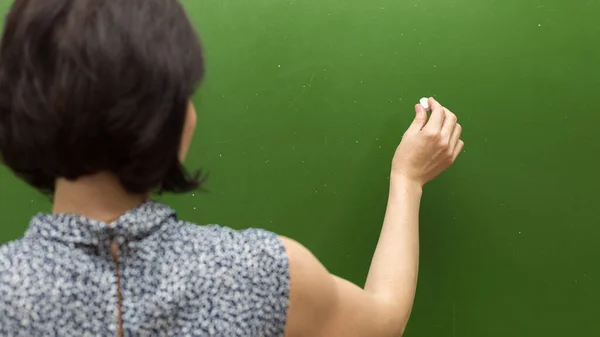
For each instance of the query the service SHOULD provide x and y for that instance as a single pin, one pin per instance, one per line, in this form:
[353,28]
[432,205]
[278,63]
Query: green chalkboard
[305,101]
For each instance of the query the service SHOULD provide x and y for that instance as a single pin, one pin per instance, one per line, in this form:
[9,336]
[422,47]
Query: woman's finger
[449,126]
[455,136]
[436,120]
[459,147]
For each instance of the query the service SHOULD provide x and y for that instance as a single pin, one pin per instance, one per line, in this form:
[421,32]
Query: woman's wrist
[402,182]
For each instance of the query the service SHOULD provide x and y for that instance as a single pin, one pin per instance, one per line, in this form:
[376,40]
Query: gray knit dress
[149,274]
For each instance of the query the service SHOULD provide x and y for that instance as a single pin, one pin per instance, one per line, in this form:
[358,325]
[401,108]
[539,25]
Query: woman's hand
[428,147]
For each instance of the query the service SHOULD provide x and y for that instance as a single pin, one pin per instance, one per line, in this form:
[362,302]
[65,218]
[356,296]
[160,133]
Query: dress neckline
[134,225]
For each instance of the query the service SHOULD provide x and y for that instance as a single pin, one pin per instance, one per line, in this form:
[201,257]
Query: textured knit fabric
[178,279]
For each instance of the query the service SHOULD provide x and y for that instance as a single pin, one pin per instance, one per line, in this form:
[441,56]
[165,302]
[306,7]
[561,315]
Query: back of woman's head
[90,86]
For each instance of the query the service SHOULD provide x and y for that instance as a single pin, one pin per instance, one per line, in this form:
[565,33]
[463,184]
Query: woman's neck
[98,197]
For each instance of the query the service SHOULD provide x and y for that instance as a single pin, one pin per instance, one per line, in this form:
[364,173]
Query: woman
[95,109]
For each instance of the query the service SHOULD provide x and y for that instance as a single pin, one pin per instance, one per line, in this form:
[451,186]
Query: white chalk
[424,103]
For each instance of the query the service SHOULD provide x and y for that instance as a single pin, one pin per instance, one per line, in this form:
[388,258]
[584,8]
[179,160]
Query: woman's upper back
[176,278]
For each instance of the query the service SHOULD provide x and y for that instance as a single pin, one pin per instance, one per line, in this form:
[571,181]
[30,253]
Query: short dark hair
[88,86]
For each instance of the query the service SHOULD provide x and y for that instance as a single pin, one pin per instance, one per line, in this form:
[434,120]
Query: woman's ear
[188,131]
